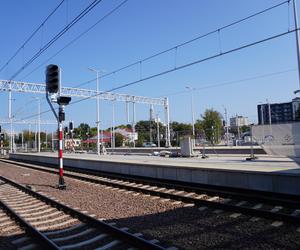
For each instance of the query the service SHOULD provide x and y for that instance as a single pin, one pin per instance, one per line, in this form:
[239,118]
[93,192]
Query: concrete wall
[273,182]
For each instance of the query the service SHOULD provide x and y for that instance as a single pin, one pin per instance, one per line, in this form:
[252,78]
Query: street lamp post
[37,140]
[297,40]
[88,140]
[192,109]
[113,140]
[158,135]
[262,121]
[39,125]
[226,122]
[269,112]
[98,110]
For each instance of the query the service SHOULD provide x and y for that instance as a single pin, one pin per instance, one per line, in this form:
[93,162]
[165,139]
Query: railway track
[257,204]
[52,225]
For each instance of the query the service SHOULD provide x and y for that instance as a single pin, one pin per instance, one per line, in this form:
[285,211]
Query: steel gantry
[30,122]
[40,88]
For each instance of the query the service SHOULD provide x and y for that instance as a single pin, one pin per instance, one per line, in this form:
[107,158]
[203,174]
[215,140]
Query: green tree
[181,128]
[119,138]
[122,126]
[178,130]
[199,130]
[140,140]
[143,130]
[93,131]
[81,131]
[244,129]
[212,125]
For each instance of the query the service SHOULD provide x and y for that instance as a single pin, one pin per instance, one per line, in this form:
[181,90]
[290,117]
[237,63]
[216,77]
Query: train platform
[272,174]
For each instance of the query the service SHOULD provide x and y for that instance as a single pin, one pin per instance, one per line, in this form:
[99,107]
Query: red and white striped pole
[61,183]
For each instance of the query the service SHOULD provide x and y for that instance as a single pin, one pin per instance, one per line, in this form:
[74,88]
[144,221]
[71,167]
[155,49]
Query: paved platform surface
[274,174]
[267,164]
[208,149]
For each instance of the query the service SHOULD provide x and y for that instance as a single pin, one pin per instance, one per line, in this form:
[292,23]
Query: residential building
[238,121]
[279,112]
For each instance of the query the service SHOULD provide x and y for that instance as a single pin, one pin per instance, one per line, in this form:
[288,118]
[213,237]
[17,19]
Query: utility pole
[269,112]
[113,125]
[10,118]
[226,123]
[297,40]
[35,138]
[133,122]
[262,114]
[22,139]
[52,141]
[238,125]
[167,119]
[97,110]
[88,140]
[193,114]
[38,142]
[158,135]
[46,140]
[127,112]
[14,141]
[262,121]
[29,139]
[192,109]
[150,123]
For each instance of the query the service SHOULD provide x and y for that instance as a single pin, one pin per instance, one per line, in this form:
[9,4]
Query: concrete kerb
[264,181]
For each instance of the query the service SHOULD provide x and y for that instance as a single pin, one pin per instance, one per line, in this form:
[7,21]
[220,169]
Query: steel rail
[37,235]
[252,195]
[199,202]
[110,229]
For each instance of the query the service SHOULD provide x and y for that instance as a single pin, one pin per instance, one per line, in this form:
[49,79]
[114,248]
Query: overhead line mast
[297,41]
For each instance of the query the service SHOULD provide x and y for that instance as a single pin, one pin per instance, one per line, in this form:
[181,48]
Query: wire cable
[31,36]
[57,36]
[187,42]
[181,67]
[208,86]
[76,38]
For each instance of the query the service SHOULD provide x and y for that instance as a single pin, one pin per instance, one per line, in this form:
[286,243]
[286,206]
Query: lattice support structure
[40,88]
[31,122]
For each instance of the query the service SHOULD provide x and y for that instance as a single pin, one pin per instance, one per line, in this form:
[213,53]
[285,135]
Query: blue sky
[142,28]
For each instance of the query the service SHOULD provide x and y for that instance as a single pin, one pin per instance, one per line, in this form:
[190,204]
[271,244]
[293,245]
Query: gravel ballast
[177,225]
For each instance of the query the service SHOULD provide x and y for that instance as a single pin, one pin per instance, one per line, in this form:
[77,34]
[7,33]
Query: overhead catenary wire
[31,36]
[57,36]
[181,67]
[23,106]
[218,30]
[76,38]
[208,86]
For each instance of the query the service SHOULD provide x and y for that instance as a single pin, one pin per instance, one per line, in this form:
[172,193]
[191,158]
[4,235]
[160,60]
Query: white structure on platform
[279,139]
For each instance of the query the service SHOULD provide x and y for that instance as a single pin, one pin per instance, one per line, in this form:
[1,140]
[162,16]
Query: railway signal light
[71,126]
[53,87]
[1,137]
[63,100]
[66,130]
[52,78]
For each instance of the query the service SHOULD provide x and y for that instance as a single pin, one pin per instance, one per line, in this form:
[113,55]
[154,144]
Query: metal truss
[42,122]
[39,88]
